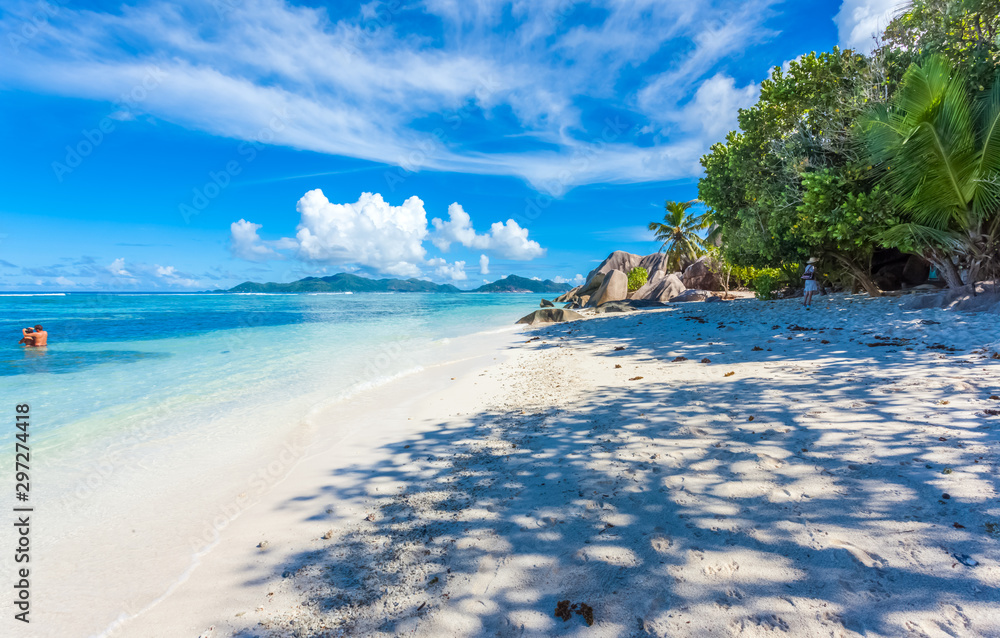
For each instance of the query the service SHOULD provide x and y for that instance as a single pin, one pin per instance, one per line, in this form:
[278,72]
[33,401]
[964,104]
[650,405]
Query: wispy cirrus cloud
[551,91]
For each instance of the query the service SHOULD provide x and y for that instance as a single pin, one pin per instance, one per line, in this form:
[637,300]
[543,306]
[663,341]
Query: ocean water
[131,372]
[158,419]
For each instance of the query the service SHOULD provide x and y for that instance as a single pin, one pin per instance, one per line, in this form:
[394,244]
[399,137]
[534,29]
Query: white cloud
[117,268]
[458,229]
[713,111]
[63,281]
[858,21]
[575,280]
[710,114]
[245,243]
[484,265]
[369,232]
[511,241]
[444,270]
[174,278]
[507,239]
[361,84]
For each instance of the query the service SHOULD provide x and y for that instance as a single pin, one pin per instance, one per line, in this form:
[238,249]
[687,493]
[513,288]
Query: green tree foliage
[775,186]
[966,32]
[937,148]
[637,278]
[845,153]
[678,233]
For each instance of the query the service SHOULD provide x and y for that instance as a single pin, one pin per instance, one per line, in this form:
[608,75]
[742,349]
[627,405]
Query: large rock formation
[593,283]
[703,275]
[916,271]
[662,288]
[550,315]
[568,296]
[625,262]
[691,295]
[545,303]
[613,288]
[628,305]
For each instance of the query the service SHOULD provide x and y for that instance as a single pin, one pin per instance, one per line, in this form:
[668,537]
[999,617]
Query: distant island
[513,283]
[346,282]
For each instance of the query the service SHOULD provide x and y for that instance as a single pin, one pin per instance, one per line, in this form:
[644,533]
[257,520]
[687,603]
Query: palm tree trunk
[947,268]
[861,275]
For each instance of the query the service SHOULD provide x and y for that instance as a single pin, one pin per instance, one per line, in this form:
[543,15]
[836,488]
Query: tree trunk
[860,275]
[947,269]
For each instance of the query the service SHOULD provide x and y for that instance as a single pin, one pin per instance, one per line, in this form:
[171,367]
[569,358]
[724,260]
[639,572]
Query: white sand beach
[822,473]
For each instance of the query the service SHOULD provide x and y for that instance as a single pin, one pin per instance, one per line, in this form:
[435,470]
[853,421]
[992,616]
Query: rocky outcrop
[568,296]
[618,260]
[545,303]
[655,263]
[625,262]
[703,275]
[915,271]
[691,295]
[593,283]
[550,315]
[662,288]
[628,305]
[613,288]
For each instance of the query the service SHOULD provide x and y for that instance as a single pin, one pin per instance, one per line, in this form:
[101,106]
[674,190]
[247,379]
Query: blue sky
[196,145]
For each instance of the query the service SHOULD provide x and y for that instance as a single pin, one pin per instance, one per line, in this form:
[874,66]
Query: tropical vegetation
[637,278]
[679,234]
[846,156]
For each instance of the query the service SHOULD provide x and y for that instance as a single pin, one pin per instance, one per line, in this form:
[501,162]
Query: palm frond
[917,235]
[986,200]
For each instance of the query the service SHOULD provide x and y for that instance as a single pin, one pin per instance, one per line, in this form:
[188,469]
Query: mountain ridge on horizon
[347,282]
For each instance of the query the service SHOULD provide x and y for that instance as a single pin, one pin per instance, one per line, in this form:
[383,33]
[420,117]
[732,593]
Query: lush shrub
[637,278]
[764,283]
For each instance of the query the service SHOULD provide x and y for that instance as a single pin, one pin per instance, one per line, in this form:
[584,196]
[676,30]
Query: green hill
[513,283]
[344,282]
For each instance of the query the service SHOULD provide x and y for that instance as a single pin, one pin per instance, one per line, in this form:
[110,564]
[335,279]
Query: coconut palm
[938,150]
[679,233]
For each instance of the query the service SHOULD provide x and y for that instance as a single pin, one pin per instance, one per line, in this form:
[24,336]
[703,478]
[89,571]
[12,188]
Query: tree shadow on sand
[668,510]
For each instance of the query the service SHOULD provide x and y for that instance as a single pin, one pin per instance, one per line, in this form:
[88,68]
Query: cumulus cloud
[369,232]
[714,109]
[373,234]
[444,270]
[575,280]
[858,21]
[172,277]
[507,239]
[245,242]
[117,268]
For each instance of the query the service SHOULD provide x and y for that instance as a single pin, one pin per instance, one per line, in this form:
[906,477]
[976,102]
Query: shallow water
[138,374]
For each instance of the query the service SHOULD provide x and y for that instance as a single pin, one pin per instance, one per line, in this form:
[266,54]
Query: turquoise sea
[157,419]
[133,374]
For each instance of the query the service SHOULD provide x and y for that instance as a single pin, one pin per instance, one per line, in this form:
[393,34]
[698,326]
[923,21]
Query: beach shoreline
[731,468]
[802,493]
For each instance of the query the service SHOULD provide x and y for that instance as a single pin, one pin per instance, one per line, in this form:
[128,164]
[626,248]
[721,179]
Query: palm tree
[679,233]
[938,150]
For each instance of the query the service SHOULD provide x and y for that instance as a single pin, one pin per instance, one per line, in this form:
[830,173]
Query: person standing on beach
[811,285]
